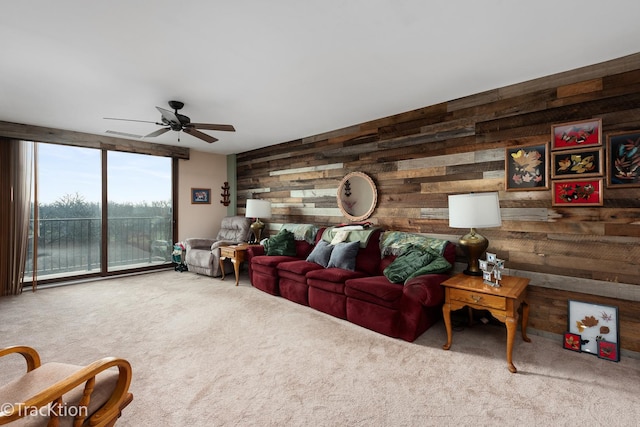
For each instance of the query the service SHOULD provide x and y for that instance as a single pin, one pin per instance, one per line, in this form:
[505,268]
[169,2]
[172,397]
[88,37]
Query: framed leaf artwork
[526,168]
[623,159]
[596,325]
[576,163]
[579,192]
[576,134]
[572,342]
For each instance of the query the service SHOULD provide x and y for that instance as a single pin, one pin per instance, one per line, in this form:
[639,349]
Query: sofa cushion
[321,253]
[270,261]
[282,243]
[344,255]
[331,279]
[377,290]
[297,268]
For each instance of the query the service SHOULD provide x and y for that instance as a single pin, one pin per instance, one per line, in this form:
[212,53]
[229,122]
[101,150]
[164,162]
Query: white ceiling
[284,69]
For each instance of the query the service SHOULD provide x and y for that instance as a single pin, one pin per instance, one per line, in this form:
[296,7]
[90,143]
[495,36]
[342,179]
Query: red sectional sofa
[363,296]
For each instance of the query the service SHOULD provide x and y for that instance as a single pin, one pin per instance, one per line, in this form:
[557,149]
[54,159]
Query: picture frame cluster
[593,328]
[573,164]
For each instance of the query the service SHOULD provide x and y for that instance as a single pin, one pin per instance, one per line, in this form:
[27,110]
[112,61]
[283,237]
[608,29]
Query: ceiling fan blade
[209,126]
[158,132]
[170,116]
[130,120]
[203,136]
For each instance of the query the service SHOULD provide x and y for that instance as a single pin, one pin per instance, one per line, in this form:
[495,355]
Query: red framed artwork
[581,192]
[608,350]
[572,342]
[576,134]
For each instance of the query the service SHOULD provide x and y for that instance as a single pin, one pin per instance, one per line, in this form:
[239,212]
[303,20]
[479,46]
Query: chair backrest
[235,228]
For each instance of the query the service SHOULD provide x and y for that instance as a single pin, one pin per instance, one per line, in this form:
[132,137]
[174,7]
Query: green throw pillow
[282,243]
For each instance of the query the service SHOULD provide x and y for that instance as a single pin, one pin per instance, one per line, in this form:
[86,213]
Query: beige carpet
[207,353]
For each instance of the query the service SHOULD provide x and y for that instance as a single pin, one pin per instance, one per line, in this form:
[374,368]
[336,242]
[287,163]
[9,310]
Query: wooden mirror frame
[343,203]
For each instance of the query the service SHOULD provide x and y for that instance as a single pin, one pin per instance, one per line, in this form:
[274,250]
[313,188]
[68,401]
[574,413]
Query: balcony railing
[70,246]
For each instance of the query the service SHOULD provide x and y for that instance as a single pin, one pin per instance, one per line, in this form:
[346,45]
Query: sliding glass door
[99,211]
[139,210]
[67,237]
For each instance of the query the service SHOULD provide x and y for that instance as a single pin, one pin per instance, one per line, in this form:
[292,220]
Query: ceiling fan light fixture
[179,122]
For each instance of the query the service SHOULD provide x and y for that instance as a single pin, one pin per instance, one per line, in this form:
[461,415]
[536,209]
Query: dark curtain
[16,173]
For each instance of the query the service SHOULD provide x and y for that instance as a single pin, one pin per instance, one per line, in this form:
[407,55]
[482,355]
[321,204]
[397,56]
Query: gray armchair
[203,256]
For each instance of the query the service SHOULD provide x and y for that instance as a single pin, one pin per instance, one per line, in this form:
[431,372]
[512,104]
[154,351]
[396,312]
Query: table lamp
[474,210]
[258,209]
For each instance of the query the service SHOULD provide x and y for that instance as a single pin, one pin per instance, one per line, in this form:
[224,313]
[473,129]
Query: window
[139,210]
[71,239]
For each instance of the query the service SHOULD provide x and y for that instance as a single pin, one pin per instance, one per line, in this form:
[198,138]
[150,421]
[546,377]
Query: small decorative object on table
[177,256]
[492,270]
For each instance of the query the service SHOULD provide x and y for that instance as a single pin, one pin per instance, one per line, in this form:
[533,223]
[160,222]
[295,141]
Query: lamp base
[256,229]
[473,245]
[472,273]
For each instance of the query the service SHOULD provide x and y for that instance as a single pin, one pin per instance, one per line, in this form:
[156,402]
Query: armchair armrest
[426,289]
[216,244]
[30,355]
[199,243]
[255,251]
[52,390]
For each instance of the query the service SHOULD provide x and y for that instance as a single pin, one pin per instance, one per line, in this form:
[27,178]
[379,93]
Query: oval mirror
[357,196]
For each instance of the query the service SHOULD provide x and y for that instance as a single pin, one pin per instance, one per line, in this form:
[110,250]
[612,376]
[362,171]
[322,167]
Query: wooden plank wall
[419,157]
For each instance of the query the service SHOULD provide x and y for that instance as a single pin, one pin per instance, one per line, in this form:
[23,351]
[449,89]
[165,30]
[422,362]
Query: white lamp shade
[475,210]
[258,208]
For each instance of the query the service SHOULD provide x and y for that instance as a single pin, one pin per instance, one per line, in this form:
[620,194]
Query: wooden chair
[53,394]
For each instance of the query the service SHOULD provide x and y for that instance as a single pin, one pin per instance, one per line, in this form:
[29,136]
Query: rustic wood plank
[80,139]
[419,157]
[587,86]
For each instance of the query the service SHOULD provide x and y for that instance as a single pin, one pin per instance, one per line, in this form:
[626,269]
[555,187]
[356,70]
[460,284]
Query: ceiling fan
[172,120]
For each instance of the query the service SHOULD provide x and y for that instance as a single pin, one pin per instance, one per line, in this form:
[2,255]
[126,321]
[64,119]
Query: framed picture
[623,159]
[594,323]
[577,163]
[608,350]
[572,342]
[200,196]
[526,168]
[576,134]
[581,192]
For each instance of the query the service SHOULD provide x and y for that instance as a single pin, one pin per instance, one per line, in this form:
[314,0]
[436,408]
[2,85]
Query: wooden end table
[503,302]
[236,253]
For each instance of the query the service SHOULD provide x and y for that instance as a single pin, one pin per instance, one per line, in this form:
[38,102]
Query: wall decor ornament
[576,134]
[226,196]
[582,192]
[623,159]
[526,168]
[576,163]
[597,326]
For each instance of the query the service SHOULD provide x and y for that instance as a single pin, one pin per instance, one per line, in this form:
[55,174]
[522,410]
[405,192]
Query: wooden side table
[503,302]
[236,253]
